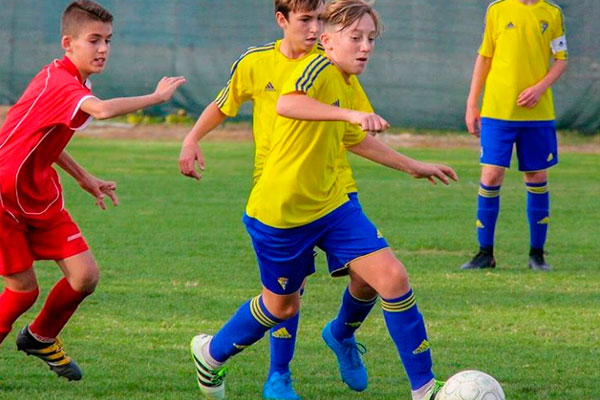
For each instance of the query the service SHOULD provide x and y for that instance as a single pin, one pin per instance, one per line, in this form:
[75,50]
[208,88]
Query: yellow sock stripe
[259,314]
[488,193]
[400,306]
[538,189]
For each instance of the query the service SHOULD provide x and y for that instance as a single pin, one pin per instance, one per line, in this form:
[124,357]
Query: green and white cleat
[210,381]
[432,394]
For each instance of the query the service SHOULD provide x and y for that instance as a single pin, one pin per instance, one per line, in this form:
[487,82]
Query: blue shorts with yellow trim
[536,144]
[286,256]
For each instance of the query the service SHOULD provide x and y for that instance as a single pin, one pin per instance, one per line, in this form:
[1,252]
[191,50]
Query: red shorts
[25,241]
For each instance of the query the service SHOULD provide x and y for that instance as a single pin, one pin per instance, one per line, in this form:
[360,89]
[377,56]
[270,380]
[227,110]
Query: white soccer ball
[471,385]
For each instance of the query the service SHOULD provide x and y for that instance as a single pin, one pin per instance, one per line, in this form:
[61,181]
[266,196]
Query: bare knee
[25,281]
[281,306]
[395,282]
[359,288]
[85,282]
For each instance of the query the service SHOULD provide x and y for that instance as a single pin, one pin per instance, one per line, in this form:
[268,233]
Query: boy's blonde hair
[344,13]
[287,6]
[81,11]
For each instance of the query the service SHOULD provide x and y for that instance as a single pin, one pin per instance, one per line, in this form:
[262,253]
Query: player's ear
[326,40]
[65,42]
[281,20]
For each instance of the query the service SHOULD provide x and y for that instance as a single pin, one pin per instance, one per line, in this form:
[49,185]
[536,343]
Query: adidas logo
[379,235]
[281,333]
[282,282]
[269,87]
[510,25]
[240,346]
[544,26]
[423,347]
[550,157]
[479,224]
[336,103]
[544,221]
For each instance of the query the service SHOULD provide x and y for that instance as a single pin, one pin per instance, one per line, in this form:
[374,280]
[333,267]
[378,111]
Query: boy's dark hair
[81,11]
[287,6]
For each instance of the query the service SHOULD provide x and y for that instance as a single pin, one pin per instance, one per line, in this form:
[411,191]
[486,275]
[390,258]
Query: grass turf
[176,260]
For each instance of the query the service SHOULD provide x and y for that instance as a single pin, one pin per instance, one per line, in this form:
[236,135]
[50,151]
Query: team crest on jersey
[269,87]
[336,103]
[283,281]
[510,25]
[544,26]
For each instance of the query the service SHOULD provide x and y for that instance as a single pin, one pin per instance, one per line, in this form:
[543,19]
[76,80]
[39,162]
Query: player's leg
[386,274]
[282,338]
[497,142]
[40,338]
[16,266]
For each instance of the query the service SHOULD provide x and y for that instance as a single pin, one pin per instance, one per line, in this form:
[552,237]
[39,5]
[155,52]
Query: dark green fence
[419,76]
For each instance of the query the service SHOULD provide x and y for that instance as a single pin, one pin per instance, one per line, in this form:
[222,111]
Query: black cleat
[537,262]
[52,354]
[483,259]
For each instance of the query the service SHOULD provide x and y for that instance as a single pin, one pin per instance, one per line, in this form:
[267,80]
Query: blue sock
[538,213]
[353,312]
[283,343]
[488,208]
[246,327]
[407,329]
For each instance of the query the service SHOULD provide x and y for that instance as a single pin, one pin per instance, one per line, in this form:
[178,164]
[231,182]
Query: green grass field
[176,260]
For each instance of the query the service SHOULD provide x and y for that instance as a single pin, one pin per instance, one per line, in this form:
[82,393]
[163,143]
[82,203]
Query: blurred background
[419,77]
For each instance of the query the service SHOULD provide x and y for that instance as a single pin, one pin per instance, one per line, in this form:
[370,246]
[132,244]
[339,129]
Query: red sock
[58,308]
[12,305]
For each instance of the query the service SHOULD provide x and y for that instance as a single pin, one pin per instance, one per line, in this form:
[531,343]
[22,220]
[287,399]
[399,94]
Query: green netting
[419,76]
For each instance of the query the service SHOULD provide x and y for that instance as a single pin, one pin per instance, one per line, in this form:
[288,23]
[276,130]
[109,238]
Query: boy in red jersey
[33,222]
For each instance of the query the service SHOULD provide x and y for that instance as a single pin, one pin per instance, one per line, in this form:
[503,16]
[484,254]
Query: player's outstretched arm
[103,109]
[95,186]
[531,96]
[480,73]
[190,153]
[374,150]
[298,105]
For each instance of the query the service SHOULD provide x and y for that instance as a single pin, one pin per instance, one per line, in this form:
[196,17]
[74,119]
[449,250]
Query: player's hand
[369,122]
[473,121]
[190,155]
[432,172]
[530,97]
[99,188]
[167,86]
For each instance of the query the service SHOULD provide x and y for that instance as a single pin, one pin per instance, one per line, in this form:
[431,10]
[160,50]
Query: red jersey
[36,131]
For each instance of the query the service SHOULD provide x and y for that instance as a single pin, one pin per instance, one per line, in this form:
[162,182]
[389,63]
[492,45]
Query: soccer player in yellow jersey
[300,202]
[258,76]
[520,38]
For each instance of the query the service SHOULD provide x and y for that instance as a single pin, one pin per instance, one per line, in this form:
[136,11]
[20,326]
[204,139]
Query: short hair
[81,11]
[287,6]
[345,12]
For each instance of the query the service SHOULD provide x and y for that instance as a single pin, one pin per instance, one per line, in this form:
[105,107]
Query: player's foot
[432,393]
[348,353]
[279,387]
[51,353]
[210,380]
[483,259]
[537,261]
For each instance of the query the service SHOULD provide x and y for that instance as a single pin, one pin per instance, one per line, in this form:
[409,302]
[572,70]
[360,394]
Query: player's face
[350,48]
[302,29]
[89,50]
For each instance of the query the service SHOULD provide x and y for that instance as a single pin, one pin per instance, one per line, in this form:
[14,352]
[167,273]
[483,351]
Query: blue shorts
[286,256]
[536,143]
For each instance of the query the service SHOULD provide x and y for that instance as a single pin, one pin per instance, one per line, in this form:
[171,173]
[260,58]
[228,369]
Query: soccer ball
[471,385]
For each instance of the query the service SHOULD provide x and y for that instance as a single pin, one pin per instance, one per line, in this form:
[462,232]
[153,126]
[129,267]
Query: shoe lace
[59,352]
[354,350]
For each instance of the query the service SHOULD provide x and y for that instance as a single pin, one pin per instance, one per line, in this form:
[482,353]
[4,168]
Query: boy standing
[300,202]
[258,76]
[33,222]
[514,63]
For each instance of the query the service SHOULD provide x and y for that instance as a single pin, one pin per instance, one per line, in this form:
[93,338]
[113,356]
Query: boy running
[258,76]
[34,224]
[514,63]
[300,202]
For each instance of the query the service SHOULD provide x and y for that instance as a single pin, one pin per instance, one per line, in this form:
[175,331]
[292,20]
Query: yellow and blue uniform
[521,40]
[300,200]
[258,76]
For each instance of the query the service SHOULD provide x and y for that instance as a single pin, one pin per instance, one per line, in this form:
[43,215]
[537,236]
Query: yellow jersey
[520,39]
[300,181]
[258,76]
